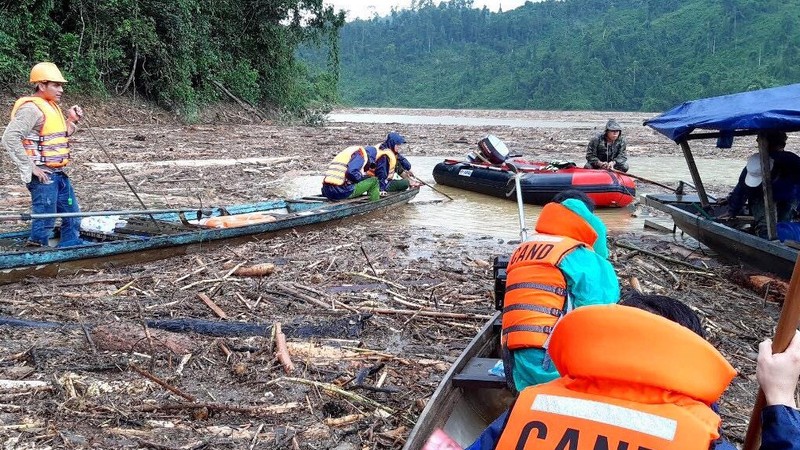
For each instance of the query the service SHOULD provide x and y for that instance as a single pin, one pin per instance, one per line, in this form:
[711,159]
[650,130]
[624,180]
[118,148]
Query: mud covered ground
[368,347]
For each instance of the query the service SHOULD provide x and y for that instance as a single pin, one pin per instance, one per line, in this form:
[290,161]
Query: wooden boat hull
[539,186]
[730,243]
[464,405]
[18,262]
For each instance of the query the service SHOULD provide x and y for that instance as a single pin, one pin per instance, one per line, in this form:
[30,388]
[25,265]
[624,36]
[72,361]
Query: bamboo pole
[133,212]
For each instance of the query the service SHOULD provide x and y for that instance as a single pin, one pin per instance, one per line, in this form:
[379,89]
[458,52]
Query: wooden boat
[468,398]
[722,236]
[724,118]
[540,181]
[144,238]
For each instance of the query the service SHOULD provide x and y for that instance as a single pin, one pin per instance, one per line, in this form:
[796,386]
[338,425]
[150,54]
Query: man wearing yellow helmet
[37,139]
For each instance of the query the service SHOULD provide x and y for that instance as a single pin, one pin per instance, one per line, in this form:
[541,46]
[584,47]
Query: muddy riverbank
[372,307]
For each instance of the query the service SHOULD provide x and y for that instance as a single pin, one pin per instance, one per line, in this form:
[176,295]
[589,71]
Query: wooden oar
[787,324]
[28,216]
[636,177]
[434,189]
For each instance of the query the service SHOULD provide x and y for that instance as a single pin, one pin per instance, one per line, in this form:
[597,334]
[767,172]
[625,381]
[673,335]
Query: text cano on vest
[531,251]
[569,440]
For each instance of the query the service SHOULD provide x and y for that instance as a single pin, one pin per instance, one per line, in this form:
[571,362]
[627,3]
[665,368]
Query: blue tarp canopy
[766,109]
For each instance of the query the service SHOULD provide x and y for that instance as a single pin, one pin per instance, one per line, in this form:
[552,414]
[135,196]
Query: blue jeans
[56,196]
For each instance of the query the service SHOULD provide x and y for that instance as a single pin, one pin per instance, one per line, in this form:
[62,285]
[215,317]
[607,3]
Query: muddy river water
[472,213]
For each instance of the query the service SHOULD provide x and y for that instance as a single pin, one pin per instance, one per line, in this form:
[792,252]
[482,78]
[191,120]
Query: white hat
[754,175]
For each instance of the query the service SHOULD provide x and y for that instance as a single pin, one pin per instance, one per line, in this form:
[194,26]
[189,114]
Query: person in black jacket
[785,175]
[608,150]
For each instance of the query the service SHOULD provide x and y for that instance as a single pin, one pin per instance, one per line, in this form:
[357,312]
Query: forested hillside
[572,54]
[181,54]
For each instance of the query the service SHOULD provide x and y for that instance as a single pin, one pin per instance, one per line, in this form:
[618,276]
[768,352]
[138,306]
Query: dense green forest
[179,53]
[644,55]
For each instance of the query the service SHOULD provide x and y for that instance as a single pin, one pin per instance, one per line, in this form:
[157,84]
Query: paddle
[636,177]
[27,216]
[434,189]
[523,231]
[787,324]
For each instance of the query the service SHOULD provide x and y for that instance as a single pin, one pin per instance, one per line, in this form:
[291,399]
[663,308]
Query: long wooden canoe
[166,235]
[468,398]
[731,243]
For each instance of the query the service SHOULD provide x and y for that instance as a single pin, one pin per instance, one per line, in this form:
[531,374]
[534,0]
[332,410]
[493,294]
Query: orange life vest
[337,169]
[536,290]
[639,381]
[49,146]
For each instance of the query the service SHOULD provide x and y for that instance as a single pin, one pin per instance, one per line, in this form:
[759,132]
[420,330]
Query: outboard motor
[492,150]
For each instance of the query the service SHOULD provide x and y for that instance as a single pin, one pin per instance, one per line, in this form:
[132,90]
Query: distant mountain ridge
[635,55]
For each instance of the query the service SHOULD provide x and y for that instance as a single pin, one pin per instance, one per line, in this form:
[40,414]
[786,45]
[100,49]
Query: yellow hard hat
[46,71]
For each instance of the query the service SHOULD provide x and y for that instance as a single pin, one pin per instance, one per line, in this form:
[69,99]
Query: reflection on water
[481,215]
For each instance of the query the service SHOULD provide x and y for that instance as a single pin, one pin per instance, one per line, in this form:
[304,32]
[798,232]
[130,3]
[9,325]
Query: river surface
[458,120]
[481,215]
[475,214]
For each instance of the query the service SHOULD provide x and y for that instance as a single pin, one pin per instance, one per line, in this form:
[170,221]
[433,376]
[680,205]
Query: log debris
[257,270]
[281,351]
[214,307]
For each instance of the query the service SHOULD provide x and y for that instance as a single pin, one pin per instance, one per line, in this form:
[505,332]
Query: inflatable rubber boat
[490,171]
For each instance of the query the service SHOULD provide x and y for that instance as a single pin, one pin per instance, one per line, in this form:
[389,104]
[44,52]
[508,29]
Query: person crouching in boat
[608,150]
[636,375]
[563,266]
[389,161]
[37,140]
[785,175]
[346,176]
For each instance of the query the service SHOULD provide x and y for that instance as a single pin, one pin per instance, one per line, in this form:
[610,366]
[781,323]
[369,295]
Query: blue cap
[394,139]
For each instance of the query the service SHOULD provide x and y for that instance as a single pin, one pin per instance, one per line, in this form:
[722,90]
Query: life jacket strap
[542,287]
[528,328]
[538,308]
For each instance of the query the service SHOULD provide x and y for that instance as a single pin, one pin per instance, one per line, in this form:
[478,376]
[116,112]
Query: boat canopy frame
[729,116]
[771,214]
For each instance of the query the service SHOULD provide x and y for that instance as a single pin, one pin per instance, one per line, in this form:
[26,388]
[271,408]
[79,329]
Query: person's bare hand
[43,176]
[778,373]
[75,114]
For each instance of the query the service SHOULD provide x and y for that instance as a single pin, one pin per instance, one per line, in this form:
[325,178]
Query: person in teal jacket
[591,280]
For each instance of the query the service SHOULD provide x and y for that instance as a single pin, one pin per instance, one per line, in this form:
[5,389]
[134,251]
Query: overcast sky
[364,9]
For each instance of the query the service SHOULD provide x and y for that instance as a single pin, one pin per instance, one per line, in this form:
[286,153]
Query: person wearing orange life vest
[563,266]
[389,161]
[37,140]
[346,176]
[632,379]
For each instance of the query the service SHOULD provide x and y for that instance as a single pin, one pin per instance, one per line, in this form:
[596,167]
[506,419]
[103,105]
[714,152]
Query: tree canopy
[177,53]
[642,55]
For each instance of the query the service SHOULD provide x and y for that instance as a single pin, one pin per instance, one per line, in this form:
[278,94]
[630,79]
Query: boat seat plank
[476,375]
